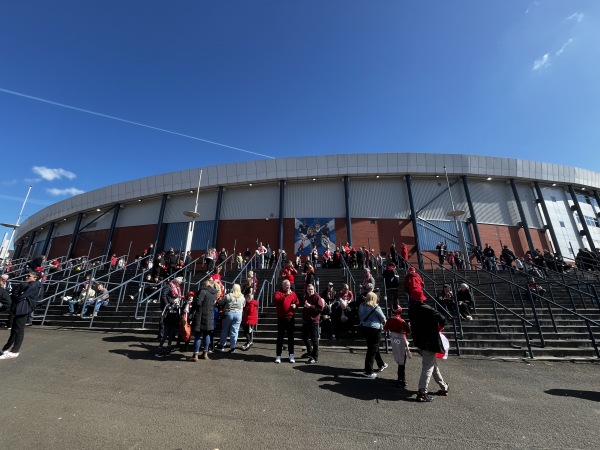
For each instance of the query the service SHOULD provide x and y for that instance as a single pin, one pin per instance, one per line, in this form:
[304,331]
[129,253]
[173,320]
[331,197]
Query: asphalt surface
[90,390]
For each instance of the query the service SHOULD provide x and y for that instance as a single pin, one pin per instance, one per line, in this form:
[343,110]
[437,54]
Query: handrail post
[587,322]
[537,320]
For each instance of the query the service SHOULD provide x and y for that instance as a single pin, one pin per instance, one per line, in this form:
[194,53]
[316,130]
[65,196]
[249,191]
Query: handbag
[185,329]
[445,346]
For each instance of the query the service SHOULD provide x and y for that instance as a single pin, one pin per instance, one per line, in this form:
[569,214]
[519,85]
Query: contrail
[131,122]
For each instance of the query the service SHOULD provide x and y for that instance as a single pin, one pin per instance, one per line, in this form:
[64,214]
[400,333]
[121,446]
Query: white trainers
[292,360]
[8,355]
[372,376]
[277,359]
[382,368]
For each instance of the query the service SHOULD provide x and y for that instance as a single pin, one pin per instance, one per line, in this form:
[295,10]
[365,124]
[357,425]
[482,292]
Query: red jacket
[288,274]
[404,251]
[283,304]
[250,314]
[413,286]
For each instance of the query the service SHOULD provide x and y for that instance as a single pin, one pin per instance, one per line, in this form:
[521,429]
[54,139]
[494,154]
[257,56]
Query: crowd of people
[192,319]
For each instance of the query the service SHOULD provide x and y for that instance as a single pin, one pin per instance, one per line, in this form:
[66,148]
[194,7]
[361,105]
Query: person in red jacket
[311,317]
[398,329]
[403,256]
[413,286]
[286,303]
[250,319]
[289,273]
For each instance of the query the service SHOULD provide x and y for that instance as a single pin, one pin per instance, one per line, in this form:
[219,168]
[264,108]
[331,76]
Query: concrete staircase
[484,336]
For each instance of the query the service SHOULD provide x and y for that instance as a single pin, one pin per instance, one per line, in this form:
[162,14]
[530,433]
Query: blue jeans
[92,303]
[73,305]
[200,338]
[231,326]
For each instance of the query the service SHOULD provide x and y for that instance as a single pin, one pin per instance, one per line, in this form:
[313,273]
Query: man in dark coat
[426,324]
[25,299]
[203,323]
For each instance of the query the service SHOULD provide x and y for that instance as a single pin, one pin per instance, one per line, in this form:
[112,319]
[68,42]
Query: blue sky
[276,78]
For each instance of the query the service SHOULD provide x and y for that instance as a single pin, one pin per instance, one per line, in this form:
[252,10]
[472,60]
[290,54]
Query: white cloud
[565,45]
[530,7]
[576,16]
[9,182]
[53,174]
[67,191]
[544,61]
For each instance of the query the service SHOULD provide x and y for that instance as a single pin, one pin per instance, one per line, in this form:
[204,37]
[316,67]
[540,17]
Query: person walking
[398,329]
[233,307]
[25,299]
[372,321]
[425,324]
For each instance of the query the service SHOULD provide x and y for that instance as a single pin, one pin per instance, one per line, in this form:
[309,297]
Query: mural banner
[315,232]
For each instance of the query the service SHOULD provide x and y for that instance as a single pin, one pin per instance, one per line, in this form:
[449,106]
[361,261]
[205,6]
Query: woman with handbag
[372,321]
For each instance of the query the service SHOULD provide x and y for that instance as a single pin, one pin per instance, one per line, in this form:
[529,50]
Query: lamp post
[460,235]
[14,227]
[192,214]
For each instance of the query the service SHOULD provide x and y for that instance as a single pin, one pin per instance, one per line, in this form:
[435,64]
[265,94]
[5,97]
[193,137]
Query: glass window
[591,221]
[553,198]
[562,224]
[581,198]
[594,202]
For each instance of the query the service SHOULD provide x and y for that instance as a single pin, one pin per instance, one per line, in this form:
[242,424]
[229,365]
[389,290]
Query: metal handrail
[532,302]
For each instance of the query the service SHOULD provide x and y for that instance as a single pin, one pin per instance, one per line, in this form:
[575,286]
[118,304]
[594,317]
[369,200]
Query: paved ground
[74,390]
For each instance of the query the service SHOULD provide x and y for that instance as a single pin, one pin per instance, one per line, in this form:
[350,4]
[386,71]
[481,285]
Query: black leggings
[17,332]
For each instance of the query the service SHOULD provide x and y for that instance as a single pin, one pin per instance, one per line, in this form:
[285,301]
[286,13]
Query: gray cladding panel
[256,202]
[64,228]
[384,198]
[207,204]
[141,213]
[493,202]
[432,199]
[312,199]
[529,204]
[94,222]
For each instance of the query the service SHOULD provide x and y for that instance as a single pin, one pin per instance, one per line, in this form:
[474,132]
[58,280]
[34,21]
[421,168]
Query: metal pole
[14,229]
[459,231]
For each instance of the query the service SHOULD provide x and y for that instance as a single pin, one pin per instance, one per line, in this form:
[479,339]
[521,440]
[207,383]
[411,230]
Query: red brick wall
[246,232]
[513,236]
[140,237]
[59,247]
[382,233]
[92,242]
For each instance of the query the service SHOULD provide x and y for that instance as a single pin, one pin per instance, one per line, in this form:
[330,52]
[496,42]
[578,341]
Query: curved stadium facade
[365,199]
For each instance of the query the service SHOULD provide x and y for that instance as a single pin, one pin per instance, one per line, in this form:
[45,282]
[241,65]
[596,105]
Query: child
[398,329]
[170,319]
[250,319]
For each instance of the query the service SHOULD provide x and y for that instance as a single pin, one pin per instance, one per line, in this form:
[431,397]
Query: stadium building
[297,203]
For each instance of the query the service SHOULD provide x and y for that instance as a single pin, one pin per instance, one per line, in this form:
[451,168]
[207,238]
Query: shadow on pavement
[585,395]
[350,383]
[130,338]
